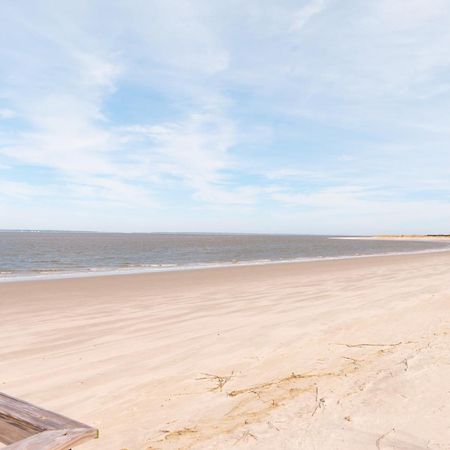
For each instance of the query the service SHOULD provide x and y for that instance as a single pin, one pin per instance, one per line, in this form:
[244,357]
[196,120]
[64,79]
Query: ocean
[28,255]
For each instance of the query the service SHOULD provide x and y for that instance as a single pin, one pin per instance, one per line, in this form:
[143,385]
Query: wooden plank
[27,419]
[28,427]
[10,433]
[55,440]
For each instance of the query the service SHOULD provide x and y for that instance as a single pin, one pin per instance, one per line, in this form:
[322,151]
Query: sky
[306,116]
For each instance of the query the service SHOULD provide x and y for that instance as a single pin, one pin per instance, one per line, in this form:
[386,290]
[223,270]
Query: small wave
[54,273]
[51,270]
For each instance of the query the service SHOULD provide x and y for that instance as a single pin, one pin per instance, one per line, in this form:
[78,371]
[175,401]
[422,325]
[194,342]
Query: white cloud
[197,152]
[20,190]
[306,13]
[351,98]
[333,197]
[406,14]
[195,148]
[6,113]
[67,129]
[296,174]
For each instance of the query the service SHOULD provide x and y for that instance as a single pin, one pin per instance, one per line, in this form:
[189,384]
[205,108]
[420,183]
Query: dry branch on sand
[282,381]
[178,433]
[378,441]
[373,345]
[220,381]
[246,436]
[319,401]
[353,360]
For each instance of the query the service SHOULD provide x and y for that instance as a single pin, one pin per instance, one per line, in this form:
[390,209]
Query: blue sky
[318,116]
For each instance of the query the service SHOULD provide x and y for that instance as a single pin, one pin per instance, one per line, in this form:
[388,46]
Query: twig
[371,345]
[319,402]
[405,362]
[220,380]
[378,441]
[355,361]
[245,436]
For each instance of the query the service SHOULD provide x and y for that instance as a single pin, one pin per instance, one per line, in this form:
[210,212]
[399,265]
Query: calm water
[44,254]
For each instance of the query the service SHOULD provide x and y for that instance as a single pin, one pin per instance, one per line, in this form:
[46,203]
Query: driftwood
[26,427]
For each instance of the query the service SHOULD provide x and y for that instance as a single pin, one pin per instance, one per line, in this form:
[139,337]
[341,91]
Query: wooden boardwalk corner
[24,426]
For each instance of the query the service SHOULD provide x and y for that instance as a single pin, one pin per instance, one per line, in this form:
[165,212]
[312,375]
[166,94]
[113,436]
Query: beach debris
[405,362]
[320,404]
[246,435]
[354,361]
[373,345]
[319,401]
[283,381]
[378,441]
[178,433]
[220,381]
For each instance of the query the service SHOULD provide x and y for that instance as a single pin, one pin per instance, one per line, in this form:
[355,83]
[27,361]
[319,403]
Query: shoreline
[412,238]
[232,274]
[94,273]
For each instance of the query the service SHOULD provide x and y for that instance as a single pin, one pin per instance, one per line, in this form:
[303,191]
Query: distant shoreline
[406,237]
[415,236]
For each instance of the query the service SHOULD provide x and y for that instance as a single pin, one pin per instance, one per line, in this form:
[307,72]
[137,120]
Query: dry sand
[348,354]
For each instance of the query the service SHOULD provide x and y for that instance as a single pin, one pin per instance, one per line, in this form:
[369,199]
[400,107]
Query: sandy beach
[330,355]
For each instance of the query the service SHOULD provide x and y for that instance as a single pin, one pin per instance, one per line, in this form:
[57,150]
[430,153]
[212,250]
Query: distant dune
[414,236]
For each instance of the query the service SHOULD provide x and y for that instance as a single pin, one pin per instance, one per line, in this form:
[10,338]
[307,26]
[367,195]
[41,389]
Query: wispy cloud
[306,13]
[205,109]
[6,113]
[19,190]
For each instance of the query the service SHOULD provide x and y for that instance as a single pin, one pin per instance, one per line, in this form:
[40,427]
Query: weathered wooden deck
[26,427]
